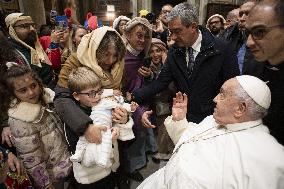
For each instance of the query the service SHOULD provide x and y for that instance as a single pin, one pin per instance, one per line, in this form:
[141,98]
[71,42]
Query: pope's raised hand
[179,108]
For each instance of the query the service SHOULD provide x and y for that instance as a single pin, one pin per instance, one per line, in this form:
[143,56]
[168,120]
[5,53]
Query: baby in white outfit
[102,154]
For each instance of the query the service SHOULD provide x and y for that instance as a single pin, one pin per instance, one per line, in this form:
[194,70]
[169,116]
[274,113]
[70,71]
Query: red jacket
[54,55]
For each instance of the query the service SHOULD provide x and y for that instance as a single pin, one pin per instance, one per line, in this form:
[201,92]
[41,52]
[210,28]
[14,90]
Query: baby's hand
[114,133]
[117,92]
[133,106]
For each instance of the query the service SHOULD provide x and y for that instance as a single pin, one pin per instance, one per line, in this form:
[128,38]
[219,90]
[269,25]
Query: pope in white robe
[229,149]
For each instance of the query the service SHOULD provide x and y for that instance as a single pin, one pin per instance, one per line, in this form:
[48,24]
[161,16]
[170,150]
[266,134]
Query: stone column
[133,8]
[147,4]
[202,11]
[35,9]
[142,4]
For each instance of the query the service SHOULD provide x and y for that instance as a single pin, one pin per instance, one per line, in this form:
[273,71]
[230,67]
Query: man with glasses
[265,26]
[23,38]
[236,35]
[216,24]
[198,63]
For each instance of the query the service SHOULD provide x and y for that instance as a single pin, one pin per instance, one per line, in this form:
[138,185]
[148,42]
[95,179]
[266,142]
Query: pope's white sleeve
[176,128]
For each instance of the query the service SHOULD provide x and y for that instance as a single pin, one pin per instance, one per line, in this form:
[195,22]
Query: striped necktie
[189,58]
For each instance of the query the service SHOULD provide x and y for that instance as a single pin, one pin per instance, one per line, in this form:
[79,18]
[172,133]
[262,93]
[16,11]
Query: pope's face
[226,103]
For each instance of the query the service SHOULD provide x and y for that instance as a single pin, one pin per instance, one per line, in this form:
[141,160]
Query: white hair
[255,111]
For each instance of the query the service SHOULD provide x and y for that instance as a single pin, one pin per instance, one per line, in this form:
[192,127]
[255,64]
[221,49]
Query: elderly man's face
[182,35]
[243,14]
[266,39]
[25,30]
[138,37]
[226,103]
[215,25]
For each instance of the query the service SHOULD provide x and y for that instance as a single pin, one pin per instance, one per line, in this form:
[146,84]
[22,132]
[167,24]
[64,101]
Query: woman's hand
[159,26]
[117,92]
[120,115]
[179,108]
[13,163]
[145,119]
[133,106]
[145,72]
[7,136]
[129,96]
[164,57]
[56,35]
[114,133]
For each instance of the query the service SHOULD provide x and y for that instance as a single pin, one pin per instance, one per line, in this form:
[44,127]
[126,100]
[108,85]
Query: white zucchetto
[256,89]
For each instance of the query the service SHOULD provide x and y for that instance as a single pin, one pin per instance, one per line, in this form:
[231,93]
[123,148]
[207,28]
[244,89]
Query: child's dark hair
[7,87]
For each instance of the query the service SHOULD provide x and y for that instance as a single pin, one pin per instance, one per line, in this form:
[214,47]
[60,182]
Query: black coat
[236,39]
[214,64]
[275,117]
[76,120]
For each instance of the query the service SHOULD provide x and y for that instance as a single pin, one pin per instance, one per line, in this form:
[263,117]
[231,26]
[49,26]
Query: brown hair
[6,83]
[75,28]
[81,78]
[111,38]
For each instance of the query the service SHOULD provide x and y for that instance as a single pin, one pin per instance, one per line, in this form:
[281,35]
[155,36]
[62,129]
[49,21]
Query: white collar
[244,125]
[197,44]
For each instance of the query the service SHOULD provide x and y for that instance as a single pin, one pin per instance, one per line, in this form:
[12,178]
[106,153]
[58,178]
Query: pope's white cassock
[206,155]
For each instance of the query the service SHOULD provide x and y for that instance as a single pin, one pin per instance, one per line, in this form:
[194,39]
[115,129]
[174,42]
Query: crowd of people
[84,106]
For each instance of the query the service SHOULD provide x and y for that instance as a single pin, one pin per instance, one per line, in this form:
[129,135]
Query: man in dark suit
[265,26]
[198,63]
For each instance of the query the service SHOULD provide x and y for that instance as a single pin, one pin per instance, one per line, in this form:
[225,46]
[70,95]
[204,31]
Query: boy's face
[89,97]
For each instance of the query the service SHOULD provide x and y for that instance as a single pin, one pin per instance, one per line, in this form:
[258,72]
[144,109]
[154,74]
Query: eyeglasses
[92,94]
[215,22]
[26,26]
[258,33]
